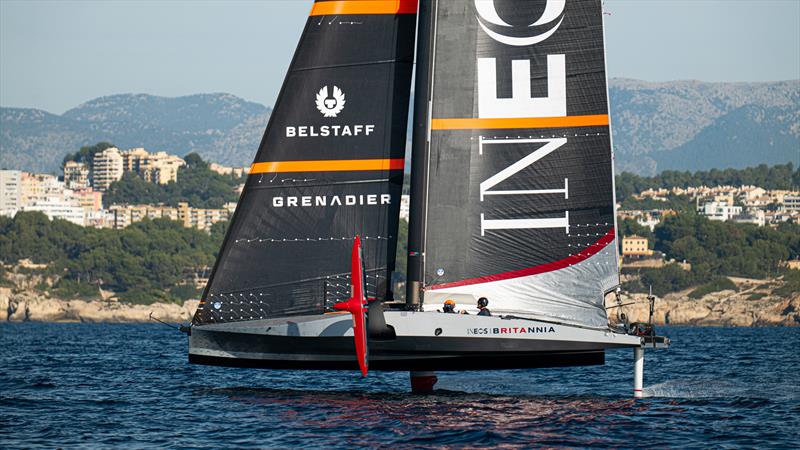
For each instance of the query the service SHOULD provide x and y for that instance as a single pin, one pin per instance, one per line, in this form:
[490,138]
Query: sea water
[128,386]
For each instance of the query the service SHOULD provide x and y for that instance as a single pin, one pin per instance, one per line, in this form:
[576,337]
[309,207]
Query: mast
[419,156]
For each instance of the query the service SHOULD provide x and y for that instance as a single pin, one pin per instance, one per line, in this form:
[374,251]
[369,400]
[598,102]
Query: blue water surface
[128,386]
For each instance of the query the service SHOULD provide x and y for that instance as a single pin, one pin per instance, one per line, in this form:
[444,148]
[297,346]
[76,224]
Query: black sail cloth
[520,198]
[329,167]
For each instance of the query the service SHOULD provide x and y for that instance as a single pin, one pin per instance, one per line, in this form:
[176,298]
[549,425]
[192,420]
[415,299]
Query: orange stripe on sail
[331,165]
[364,7]
[522,122]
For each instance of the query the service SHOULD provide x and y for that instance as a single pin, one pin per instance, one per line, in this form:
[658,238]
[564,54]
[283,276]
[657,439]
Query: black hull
[451,363]
[400,354]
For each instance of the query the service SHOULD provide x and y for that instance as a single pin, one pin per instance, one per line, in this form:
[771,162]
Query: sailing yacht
[512,197]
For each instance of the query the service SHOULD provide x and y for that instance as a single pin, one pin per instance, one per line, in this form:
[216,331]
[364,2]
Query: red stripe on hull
[549,267]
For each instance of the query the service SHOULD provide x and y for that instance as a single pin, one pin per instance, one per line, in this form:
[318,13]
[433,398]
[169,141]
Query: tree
[194,160]
[141,263]
[781,176]
[86,154]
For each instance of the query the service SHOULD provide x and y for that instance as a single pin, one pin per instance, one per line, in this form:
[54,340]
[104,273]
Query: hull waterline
[425,341]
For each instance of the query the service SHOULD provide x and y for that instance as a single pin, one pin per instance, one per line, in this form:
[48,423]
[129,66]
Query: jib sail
[519,182]
[329,167]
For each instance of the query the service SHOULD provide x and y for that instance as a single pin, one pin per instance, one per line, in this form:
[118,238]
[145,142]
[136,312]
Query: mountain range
[220,127]
[684,125]
[692,125]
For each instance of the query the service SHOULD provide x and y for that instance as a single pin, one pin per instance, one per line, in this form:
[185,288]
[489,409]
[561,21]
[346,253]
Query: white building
[225,170]
[108,168]
[59,208]
[159,167]
[754,216]
[39,186]
[791,202]
[750,193]
[76,175]
[99,219]
[648,221]
[720,211]
[10,192]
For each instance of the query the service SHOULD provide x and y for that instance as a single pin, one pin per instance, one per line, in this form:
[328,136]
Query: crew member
[449,306]
[483,302]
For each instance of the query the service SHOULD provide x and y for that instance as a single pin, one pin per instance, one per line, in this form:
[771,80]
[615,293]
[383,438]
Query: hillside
[767,131]
[692,125]
[35,140]
[220,127]
[683,125]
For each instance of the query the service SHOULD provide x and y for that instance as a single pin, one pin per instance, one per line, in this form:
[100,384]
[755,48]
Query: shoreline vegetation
[56,270]
[725,308]
[27,295]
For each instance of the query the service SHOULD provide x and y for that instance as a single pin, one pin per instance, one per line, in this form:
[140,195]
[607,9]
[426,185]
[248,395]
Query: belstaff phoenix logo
[330,104]
[330,107]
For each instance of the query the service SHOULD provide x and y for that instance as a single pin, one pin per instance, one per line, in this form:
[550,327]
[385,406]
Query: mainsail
[518,195]
[328,168]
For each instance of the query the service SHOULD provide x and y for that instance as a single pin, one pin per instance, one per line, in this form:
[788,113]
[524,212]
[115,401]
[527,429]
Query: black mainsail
[328,168]
[518,186]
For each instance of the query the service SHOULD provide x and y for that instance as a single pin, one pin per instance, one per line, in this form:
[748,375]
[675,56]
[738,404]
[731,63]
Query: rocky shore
[725,308]
[29,305]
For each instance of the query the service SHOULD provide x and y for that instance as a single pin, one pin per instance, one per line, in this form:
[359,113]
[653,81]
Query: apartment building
[635,246]
[159,167]
[202,219]
[108,167]
[58,207]
[791,202]
[132,159]
[39,186]
[124,215]
[721,211]
[162,168]
[753,216]
[76,175]
[225,170]
[89,199]
[99,219]
[10,191]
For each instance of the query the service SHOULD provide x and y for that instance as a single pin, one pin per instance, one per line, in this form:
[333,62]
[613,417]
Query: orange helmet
[450,301]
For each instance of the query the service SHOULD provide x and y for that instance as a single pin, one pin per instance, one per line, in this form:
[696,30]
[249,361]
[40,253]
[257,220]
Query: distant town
[742,204]
[77,195]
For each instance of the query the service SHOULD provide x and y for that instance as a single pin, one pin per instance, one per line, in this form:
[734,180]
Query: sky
[55,55]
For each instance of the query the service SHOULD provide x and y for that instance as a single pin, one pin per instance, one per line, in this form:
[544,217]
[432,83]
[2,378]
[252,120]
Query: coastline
[32,306]
[725,308]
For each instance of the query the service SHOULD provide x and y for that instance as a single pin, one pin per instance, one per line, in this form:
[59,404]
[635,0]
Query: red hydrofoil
[357,306]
